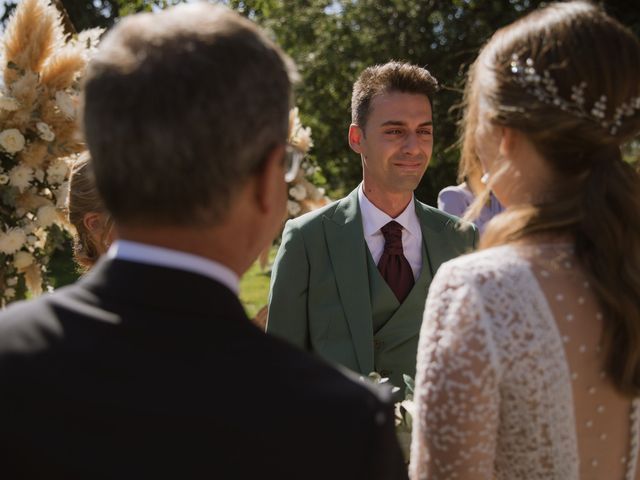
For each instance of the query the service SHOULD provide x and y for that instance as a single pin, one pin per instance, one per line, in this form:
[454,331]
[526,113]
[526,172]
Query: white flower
[298,192]
[22,260]
[299,136]
[9,293]
[45,132]
[62,195]
[57,172]
[317,194]
[38,174]
[4,179]
[42,235]
[20,176]
[12,282]
[46,216]
[9,104]
[12,240]
[12,140]
[293,208]
[88,41]
[302,139]
[65,103]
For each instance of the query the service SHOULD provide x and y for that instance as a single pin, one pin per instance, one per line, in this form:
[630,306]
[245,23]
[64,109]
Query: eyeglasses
[292,160]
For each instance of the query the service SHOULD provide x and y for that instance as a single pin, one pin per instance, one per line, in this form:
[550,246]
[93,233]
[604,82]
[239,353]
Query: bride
[529,356]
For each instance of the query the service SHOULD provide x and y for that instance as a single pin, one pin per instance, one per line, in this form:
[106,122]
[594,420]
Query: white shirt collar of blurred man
[165,257]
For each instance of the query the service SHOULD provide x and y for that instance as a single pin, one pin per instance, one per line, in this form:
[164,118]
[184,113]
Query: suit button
[385,373]
[378,344]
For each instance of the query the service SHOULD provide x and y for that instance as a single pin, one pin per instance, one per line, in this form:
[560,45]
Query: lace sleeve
[456,392]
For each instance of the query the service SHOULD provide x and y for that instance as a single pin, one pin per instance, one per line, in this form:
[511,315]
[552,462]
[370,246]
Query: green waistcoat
[394,351]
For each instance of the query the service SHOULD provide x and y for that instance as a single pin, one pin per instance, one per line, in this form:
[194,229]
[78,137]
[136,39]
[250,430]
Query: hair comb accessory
[545,89]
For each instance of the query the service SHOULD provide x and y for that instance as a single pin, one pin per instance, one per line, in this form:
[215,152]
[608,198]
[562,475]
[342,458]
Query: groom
[350,280]
[148,367]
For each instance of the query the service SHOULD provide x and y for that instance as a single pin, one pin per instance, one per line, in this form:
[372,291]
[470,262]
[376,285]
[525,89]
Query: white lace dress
[510,381]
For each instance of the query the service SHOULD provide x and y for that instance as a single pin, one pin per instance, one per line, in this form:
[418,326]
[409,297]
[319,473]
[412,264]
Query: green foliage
[332,41]
[62,267]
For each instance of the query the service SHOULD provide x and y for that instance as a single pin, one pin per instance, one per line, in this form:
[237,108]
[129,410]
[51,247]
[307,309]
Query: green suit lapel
[436,243]
[347,252]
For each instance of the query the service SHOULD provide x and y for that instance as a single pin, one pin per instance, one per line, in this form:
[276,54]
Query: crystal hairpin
[545,89]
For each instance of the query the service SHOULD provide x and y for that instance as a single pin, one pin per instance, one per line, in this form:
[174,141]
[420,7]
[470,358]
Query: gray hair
[180,108]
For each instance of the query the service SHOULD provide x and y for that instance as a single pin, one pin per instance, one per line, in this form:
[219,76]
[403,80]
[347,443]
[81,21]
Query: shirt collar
[166,257]
[373,219]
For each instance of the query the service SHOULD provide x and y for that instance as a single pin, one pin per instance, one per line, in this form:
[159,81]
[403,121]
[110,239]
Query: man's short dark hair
[390,77]
[180,108]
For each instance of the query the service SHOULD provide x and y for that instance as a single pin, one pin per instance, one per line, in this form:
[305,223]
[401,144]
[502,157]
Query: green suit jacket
[320,296]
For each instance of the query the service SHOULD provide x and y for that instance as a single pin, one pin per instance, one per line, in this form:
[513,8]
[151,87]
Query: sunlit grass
[254,286]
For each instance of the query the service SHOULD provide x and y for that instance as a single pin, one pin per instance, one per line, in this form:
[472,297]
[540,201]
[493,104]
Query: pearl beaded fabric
[510,381]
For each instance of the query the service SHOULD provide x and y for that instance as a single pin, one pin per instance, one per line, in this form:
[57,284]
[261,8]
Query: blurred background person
[457,199]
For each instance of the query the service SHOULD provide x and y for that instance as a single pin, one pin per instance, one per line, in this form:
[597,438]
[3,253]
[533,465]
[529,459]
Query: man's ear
[356,135]
[270,184]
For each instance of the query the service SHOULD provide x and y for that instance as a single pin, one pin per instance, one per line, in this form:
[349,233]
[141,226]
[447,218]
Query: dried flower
[45,132]
[12,140]
[9,104]
[62,195]
[293,208]
[47,215]
[38,174]
[65,103]
[22,260]
[57,172]
[299,136]
[298,192]
[43,64]
[20,177]
[12,240]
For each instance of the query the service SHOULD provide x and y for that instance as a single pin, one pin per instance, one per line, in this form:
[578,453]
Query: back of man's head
[389,77]
[180,108]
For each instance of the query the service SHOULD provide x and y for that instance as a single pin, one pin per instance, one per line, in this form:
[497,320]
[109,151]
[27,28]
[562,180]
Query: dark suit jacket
[140,371]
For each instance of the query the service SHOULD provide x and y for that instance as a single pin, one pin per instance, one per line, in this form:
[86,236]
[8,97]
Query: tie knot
[392,232]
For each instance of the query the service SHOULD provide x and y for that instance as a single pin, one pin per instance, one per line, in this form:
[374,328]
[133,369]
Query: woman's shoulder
[489,265]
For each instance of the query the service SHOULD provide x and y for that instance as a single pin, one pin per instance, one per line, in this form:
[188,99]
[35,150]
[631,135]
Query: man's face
[396,143]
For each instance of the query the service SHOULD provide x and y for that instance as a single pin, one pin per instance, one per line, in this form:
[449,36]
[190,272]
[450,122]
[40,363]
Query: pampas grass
[42,72]
[33,34]
[61,71]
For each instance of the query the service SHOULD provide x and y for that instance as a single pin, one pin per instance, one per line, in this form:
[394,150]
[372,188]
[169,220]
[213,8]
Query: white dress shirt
[373,219]
[165,257]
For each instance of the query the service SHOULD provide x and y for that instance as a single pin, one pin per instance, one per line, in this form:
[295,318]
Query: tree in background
[333,40]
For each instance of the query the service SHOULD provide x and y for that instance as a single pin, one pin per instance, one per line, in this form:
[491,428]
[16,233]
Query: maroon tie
[393,265]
